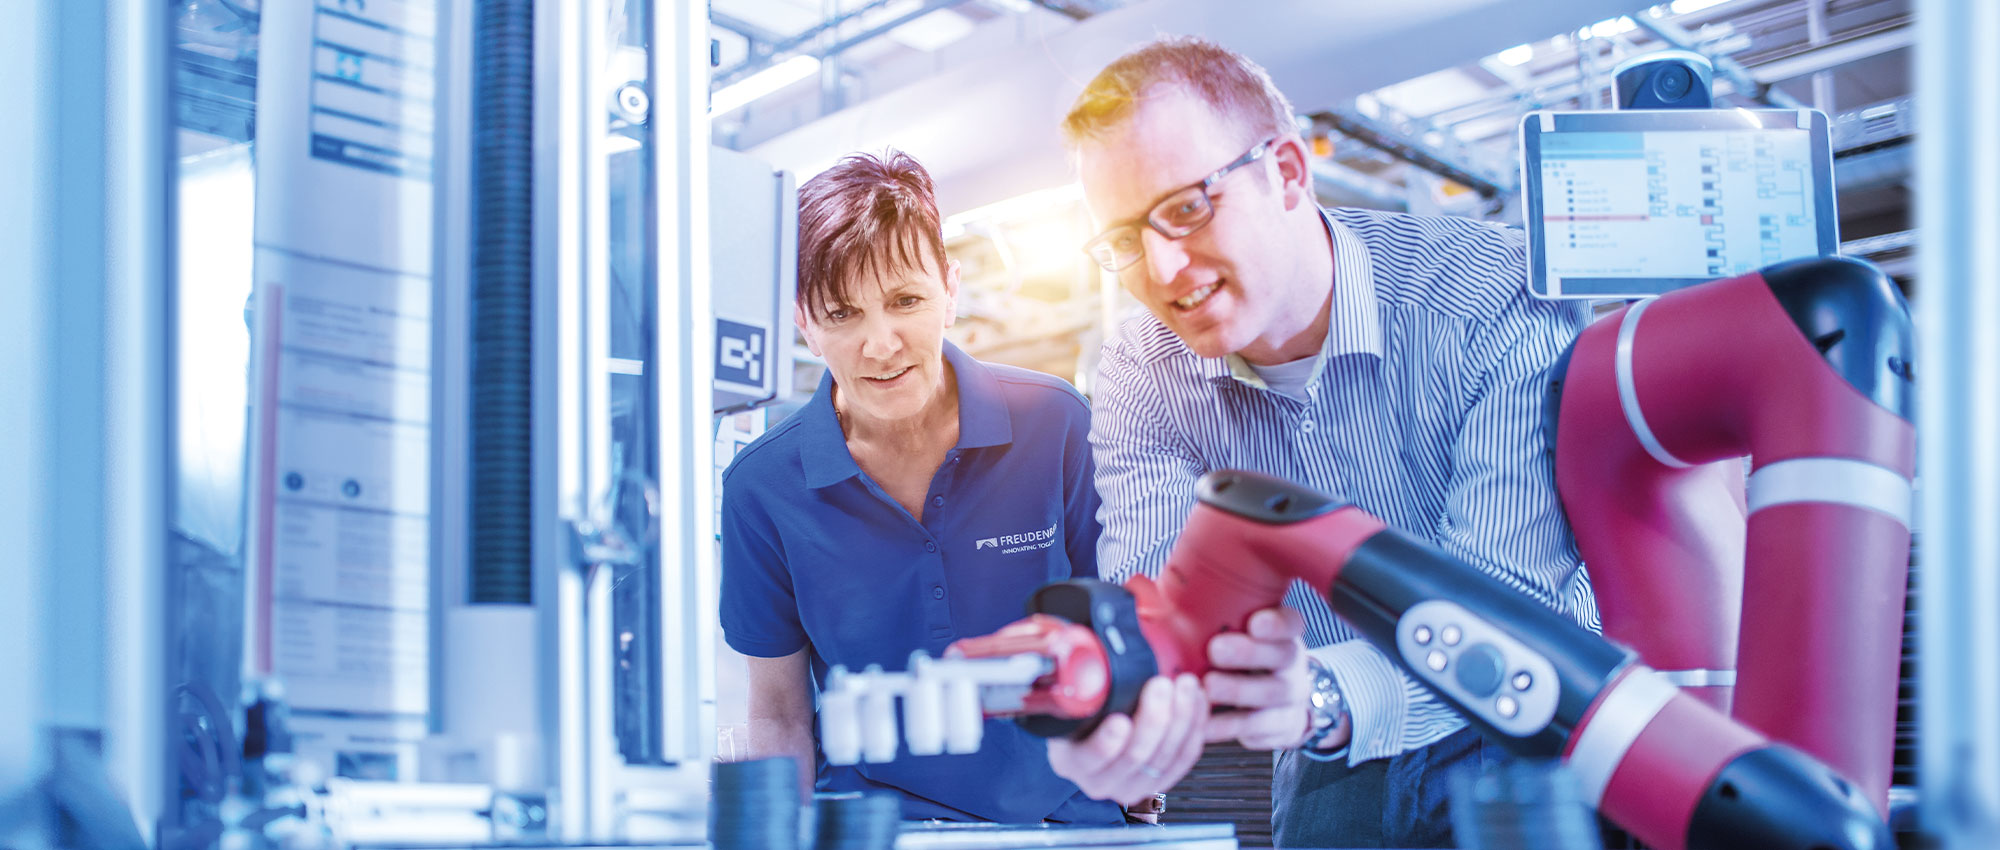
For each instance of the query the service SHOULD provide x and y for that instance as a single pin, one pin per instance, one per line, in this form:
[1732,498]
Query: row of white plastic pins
[944,705]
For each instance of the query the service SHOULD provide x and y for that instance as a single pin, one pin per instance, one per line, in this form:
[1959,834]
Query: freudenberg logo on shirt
[1026,541]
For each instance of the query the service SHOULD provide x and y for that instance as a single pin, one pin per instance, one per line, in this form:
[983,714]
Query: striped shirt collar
[983,420]
[1354,325]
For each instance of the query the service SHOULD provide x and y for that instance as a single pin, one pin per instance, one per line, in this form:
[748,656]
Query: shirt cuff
[1372,690]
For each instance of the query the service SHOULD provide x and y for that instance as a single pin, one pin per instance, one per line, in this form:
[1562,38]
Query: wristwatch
[1327,705]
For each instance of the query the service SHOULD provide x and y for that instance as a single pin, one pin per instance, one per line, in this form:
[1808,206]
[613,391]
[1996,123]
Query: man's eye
[1127,241]
[908,301]
[839,313]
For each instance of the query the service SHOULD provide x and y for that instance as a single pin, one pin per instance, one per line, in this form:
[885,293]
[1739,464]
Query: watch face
[1325,697]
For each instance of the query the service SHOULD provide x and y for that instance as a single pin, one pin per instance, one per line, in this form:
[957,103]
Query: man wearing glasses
[1395,360]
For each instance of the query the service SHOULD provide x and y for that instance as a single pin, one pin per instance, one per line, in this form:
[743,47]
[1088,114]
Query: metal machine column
[1958,413]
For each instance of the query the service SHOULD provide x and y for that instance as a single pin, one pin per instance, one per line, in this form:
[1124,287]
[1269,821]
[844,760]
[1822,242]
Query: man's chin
[1212,339]
[1209,344]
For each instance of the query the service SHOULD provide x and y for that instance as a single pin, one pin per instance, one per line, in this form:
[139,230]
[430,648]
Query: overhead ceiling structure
[985,126]
[1410,106]
[1415,95]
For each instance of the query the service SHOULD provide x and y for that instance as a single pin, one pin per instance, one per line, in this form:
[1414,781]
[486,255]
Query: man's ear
[1294,166]
[950,293]
[806,329]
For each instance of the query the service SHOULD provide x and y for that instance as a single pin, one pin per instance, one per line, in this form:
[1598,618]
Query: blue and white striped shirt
[1425,410]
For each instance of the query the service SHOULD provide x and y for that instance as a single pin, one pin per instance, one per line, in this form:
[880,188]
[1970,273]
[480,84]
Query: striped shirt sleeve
[1145,474]
[1501,510]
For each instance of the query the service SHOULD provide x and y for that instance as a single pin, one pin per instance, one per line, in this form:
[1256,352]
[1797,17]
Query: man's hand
[1129,759]
[1262,675]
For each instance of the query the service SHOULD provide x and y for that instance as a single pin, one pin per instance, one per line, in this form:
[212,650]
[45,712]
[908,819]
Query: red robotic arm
[1805,368]
[1673,770]
[1735,366]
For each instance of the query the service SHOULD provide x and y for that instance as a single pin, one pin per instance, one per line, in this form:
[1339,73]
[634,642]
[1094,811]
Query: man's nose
[1165,258]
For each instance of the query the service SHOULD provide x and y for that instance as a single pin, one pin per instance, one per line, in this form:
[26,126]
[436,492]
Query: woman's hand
[1129,759]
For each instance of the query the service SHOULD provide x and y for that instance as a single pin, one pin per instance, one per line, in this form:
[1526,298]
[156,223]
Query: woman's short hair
[866,215]
[1235,87]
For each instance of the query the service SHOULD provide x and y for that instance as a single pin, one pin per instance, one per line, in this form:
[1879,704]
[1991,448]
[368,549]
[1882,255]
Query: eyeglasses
[1176,216]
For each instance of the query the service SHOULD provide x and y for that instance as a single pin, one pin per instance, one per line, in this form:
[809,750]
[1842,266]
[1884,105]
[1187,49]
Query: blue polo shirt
[815,554]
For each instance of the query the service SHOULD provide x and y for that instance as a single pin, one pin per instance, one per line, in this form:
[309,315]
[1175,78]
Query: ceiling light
[737,94]
[1615,26]
[1682,7]
[1518,55]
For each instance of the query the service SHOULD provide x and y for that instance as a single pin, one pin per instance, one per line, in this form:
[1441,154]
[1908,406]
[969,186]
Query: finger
[1191,746]
[1278,623]
[1275,728]
[1252,690]
[1239,651]
[1266,729]
[1108,741]
[1225,726]
[1090,762]
[1188,710]
[1132,773]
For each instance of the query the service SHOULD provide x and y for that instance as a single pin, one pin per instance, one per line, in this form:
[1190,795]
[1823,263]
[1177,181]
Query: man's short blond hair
[1235,87]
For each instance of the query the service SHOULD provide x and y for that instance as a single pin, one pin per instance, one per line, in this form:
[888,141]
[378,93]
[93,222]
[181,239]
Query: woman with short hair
[866,525]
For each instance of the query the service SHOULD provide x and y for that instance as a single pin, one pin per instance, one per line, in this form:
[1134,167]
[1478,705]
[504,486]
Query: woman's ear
[806,329]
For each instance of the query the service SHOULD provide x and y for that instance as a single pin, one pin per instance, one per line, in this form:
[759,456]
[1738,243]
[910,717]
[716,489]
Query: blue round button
[930,546]
[937,592]
[1479,669]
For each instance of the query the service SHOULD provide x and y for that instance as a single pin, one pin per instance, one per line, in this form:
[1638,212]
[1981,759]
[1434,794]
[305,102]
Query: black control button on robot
[1480,669]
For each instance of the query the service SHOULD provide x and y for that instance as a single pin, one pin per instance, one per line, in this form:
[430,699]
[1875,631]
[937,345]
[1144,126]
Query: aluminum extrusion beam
[1834,54]
[1958,414]
[757,35]
[789,46]
[1413,151]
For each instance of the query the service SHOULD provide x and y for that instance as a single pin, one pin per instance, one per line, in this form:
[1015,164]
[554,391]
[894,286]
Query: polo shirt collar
[982,410]
[982,421]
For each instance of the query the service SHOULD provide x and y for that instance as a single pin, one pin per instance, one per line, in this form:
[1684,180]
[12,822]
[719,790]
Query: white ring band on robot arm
[1832,480]
[1628,391]
[1634,701]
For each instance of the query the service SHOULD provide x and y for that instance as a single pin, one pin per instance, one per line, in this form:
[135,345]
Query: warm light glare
[736,95]
[1025,205]
[1518,55]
